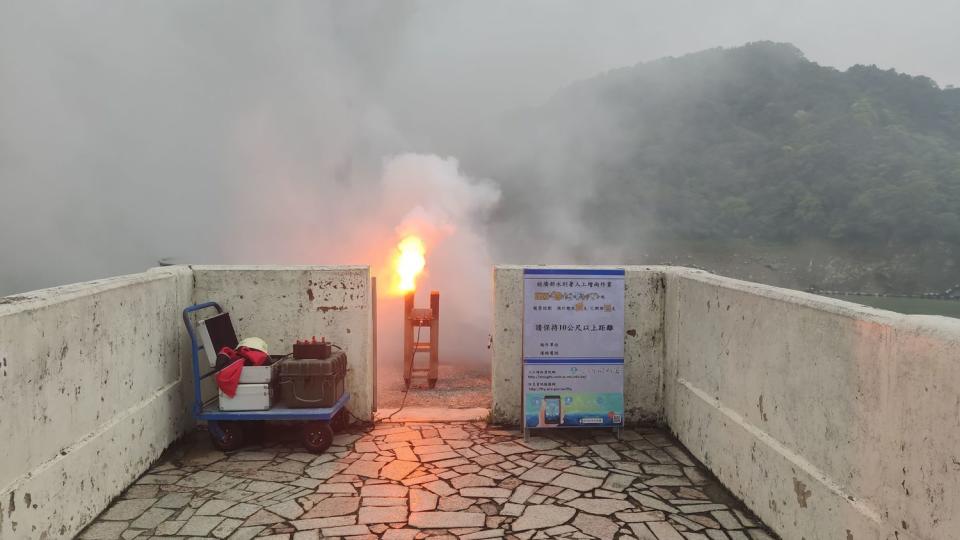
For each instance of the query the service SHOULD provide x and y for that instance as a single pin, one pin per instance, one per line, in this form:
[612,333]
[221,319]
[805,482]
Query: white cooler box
[249,397]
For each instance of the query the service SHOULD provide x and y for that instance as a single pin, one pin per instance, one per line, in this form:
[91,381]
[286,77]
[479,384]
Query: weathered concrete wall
[643,344]
[96,381]
[830,420]
[92,379]
[283,304]
[506,376]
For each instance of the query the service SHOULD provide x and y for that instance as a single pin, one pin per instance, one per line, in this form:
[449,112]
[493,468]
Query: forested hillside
[754,143]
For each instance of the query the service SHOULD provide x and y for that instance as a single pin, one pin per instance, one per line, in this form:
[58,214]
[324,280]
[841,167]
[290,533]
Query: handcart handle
[193,308]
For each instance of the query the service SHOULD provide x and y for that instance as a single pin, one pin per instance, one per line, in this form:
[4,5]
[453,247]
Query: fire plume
[408,262]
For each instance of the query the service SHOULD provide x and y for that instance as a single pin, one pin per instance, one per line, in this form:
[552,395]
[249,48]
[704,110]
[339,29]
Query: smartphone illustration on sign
[551,414]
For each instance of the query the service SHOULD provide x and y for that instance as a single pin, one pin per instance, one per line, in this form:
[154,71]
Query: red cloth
[228,378]
[253,357]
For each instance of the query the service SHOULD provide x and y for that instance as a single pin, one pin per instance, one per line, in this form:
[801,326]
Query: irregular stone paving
[458,481]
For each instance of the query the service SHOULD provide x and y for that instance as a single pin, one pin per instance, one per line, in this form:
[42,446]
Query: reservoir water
[924,306]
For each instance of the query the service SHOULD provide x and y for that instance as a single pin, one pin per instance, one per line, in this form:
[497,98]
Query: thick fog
[317,132]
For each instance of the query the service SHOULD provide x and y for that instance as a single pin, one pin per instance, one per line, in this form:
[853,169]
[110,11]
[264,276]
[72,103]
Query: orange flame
[408,263]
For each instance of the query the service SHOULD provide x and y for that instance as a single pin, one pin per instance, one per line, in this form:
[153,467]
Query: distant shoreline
[951,294]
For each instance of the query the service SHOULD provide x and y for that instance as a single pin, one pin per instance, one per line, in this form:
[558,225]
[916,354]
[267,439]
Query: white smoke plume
[429,197]
[298,219]
[255,132]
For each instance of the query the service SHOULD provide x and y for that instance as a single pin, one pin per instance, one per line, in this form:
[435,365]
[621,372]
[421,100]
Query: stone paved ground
[459,385]
[455,480]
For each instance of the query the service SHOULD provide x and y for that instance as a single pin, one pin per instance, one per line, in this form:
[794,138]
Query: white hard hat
[254,343]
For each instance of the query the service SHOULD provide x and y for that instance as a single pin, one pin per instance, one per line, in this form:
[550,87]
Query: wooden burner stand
[413,320]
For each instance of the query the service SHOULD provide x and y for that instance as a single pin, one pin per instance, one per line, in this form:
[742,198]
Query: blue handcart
[227,427]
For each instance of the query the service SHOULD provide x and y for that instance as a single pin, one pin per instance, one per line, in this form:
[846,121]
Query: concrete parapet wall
[643,343]
[282,304]
[96,379]
[92,386]
[830,420]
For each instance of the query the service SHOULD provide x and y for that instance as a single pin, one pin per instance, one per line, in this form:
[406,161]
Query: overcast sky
[509,51]
[126,127]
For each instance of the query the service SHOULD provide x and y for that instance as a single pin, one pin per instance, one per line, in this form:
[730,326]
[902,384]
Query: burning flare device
[408,262]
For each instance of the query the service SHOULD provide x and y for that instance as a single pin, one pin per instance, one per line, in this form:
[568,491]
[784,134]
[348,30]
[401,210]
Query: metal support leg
[433,372]
[408,345]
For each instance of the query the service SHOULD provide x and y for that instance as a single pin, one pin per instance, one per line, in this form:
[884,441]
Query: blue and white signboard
[572,347]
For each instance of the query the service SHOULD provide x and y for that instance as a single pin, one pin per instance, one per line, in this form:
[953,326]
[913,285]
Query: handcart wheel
[340,421]
[226,436]
[317,436]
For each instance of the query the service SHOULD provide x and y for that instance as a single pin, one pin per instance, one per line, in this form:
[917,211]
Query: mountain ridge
[748,143]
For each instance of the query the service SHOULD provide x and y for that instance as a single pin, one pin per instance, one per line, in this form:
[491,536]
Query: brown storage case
[313,382]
